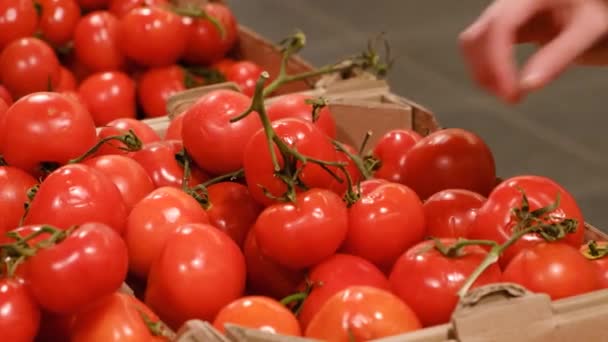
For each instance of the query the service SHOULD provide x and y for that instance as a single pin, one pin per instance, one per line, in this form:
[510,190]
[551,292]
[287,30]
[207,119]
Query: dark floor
[556,133]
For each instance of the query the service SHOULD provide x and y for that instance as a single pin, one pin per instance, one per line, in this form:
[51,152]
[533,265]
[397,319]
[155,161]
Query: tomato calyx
[456,250]
[296,300]
[201,195]
[156,328]
[594,251]
[199,13]
[30,194]
[130,141]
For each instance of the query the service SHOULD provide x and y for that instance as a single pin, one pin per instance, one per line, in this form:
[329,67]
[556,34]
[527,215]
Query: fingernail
[531,81]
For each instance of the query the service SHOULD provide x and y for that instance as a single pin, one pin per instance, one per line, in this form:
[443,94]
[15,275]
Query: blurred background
[557,132]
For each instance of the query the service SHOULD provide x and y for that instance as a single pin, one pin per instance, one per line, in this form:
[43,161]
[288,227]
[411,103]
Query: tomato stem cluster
[129,139]
[199,13]
[157,328]
[594,251]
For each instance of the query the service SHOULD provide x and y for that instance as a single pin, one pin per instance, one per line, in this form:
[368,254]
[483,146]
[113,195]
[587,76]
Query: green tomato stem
[129,139]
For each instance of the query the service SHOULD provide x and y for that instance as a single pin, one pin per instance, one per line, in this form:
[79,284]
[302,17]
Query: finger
[586,27]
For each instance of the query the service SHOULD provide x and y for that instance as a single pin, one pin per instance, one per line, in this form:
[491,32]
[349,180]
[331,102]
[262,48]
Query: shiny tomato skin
[174,131]
[18,19]
[19,312]
[89,264]
[245,74]
[14,184]
[428,281]
[304,137]
[495,221]
[183,281]
[108,96]
[384,224]
[115,318]
[223,65]
[45,127]
[362,313]
[449,159]
[295,106]
[449,213]
[75,194]
[302,234]
[557,269]
[96,42]
[67,81]
[28,65]
[121,7]
[207,123]
[6,95]
[205,44]
[335,274]
[369,185]
[391,150]
[58,20]
[155,87]
[121,126]
[3,109]
[261,313]
[152,36]
[153,219]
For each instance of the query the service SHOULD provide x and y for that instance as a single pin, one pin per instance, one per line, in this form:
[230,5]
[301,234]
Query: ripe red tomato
[335,274]
[152,36]
[351,168]
[300,135]
[369,185]
[385,223]
[557,269]
[3,109]
[223,65]
[75,194]
[362,313]
[14,184]
[261,313]
[183,281]
[158,159]
[495,220]
[89,264]
[121,126]
[428,281]
[156,86]
[450,213]
[601,263]
[245,74]
[6,95]
[19,312]
[174,131]
[449,159]
[58,20]
[67,81]
[207,123]
[121,7]
[266,277]
[93,4]
[205,44]
[115,318]
[302,234]
[28,65]
[18,19]
[45,127]
[391,150]
[153,219]
[109,96]
[96,42]
[295,106]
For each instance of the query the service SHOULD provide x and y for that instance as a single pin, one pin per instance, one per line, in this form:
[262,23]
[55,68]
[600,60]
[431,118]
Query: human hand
[567,31]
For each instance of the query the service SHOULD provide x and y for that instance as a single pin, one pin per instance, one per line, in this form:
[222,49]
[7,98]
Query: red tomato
[129,177]
[152,36]
[18,19]
[428,281]
[301,234]
[75,194]
[335,274]
[207,123]
[89,264]
[14,184]
[232,210]
[109,96]
[115,318]
[67,81]
[449,159]
[352,169]
[369,185]
[3,109]
[5,95]
[261,313]
[158,159]
[391,150]
[45,127]
[121,126]
[153,219]
[183,281]
[93,4]
[450,213]
[495,220]
[295,106]
[205,44]
[174,131]
[58,20]
[223,65]
[601,263]
[28,65]
[300,135]
[157,85]
[557,269]
[19,312]
[245,74]
[362,313]
[96,42]
[384,224]
[121,7]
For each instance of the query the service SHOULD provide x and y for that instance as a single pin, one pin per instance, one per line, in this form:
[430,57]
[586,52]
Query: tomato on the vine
[391,150]
[58,20]
[450,213]
[19,312]
[223,65]
[121,7]
[340,186]
[109,96]
[295,106]
[14,184]
[121,126]
[245,74]
[96,42]
[18,19]
[155,87]
[600,262]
